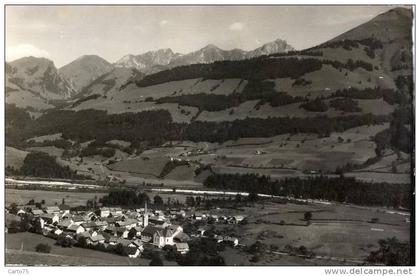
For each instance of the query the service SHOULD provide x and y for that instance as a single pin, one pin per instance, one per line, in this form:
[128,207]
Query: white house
[77,219]
[95,239]
[48,219]
[104,212]
[21,212]
[161,237]
[37,212]
[127,223]
[75,228]
[182,247]
[52,210]
[64,223]
[148,233]
[101,225]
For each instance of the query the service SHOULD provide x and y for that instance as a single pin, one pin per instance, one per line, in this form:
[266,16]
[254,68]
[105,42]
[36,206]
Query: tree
[157,200]
[81,242]
[89,204]
[198,200]
[156,260]
[13,208]
[391,252]
[190,201]
[142,198]
[255,258]
[119,249]
[132,233]
[41,164]
[65,241]
[394,168]
[253,196]
[25,222]
[307,216]
[43,248]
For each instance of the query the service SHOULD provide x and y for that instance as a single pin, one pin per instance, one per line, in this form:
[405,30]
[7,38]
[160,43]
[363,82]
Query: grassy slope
[15,157]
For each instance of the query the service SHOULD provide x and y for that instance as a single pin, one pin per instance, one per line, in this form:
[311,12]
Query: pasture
[50,150]
[51,197]
[15,157]
[335,230]
[144,165]
[40,139]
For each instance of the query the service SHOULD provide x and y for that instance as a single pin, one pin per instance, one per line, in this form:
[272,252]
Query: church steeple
[145,216]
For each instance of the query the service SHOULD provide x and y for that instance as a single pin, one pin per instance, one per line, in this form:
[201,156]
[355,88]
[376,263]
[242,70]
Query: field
[119,143]
[133,99]
[337,231]
[24,99]
[337,234]
[71,198]
[51,137]
[249,109]
[148,166]
[50,150]
[290,153]
[15,157]
[402,178]
[280,156]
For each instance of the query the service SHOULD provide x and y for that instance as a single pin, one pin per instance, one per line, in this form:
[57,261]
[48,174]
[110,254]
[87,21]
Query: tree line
[40,164]
[339,189]
[260,68]
[269,127]
[151,128]
[124,198]
[254,90]
[390,96]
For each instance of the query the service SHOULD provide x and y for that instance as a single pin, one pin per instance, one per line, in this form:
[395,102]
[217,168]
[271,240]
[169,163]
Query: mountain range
[36,78]
[84,70]
[70,80]
[155,61]
[343,106]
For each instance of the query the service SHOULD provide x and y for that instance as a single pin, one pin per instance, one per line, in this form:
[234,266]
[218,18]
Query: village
[126,232]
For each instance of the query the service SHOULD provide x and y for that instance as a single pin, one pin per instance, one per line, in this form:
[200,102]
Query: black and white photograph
[209,135]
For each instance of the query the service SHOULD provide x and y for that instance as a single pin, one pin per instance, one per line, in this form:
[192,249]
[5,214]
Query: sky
[64,33]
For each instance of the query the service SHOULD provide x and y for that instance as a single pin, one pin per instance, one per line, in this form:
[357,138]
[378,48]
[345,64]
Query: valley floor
[338,234]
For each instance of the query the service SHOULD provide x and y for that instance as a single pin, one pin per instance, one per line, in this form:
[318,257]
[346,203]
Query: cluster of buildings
[131,229]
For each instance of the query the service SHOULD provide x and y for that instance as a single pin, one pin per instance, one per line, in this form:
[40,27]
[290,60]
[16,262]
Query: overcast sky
[64,33]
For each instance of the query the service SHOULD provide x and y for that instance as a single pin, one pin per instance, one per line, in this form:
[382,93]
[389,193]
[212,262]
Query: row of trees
[93,150]
[40,164]
[339,189]
[125,198]
[261,68]
[348,44]
[156,127]
[59,143]
[269,127]
[345,105]
[397,136]
[316,105]
[390,96]
[254,90]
